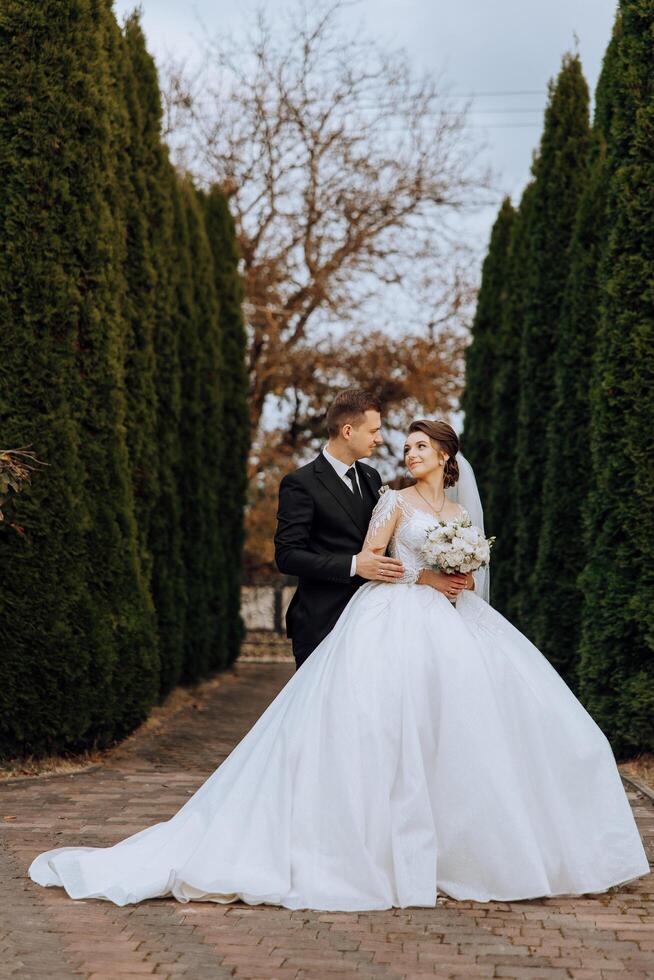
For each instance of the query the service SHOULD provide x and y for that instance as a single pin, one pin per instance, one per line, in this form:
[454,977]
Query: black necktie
[355,486]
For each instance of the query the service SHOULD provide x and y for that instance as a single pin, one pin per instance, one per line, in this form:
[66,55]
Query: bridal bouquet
[456,546]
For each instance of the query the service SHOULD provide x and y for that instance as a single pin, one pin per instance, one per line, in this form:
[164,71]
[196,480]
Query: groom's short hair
[348,408]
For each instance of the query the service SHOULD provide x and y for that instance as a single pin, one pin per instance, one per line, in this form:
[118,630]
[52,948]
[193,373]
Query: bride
[425,746]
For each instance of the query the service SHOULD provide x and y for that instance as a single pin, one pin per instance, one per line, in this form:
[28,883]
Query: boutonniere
[384,487]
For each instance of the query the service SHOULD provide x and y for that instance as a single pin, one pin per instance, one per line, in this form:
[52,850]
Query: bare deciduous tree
[343,168]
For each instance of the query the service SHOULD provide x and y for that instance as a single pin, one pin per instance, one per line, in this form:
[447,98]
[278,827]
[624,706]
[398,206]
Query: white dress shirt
[341,469]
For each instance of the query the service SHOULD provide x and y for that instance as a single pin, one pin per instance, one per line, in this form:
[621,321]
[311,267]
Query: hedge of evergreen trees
[560,390]
[123,367]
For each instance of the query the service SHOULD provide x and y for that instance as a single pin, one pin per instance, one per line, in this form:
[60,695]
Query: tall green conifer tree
[168,580]
[483,354]
[190,430]
[617,642]
[557,596]
[134,174]
[235,425]
[80,663]
[206,311]
[116,579]
[560,174]
[201,365]
[499,506]
[51,649]
[113,370]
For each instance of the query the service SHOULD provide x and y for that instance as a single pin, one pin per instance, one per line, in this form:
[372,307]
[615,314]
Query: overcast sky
[504,52]
[510,47]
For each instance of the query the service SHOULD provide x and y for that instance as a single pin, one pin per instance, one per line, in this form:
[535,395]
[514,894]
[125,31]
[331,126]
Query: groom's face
[364,438]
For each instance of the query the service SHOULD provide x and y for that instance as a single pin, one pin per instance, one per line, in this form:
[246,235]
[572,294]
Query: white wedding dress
[423,748]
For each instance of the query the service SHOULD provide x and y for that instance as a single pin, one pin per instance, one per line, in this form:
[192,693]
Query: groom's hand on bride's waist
[378,568]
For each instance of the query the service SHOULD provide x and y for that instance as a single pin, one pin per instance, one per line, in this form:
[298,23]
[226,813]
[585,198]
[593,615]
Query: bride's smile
[422,458]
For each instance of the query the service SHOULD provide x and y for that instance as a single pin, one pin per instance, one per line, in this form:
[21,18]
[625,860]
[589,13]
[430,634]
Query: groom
[324,512]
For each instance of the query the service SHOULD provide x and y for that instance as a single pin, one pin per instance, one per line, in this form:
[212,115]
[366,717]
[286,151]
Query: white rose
[484,553]
[469,534]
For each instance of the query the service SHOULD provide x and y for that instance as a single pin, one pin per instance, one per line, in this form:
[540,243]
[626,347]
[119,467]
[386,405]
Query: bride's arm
[372,562]
[382,521]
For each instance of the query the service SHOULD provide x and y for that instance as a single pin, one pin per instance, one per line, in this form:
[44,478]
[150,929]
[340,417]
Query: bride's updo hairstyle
[448,441]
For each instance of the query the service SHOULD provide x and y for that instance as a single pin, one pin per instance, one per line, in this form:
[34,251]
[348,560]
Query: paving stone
[149,776]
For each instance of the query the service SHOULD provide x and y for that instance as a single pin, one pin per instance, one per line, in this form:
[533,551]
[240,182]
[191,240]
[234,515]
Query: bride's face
[422,456]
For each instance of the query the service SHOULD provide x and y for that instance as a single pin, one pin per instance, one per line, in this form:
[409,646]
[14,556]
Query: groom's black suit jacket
[320,525]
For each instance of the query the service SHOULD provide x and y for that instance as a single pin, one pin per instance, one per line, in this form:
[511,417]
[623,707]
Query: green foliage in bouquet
[617,642]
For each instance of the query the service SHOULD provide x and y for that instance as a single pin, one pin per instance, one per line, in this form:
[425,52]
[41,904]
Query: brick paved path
[45,934]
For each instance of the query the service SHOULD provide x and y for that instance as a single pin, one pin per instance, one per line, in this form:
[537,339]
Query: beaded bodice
[409,534]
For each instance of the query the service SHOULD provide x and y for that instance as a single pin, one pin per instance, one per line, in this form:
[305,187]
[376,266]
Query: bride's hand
[450,585]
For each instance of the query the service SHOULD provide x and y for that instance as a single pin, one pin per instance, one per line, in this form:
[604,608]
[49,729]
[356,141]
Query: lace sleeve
[383,520]
[389,510]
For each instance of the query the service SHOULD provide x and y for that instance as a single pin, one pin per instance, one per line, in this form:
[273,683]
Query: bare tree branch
[343,168]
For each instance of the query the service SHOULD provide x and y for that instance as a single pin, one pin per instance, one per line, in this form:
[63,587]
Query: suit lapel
[367,481]
[332,482]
